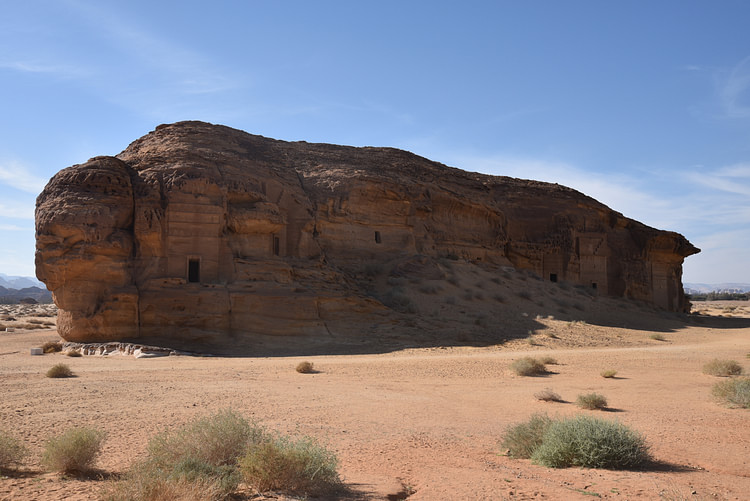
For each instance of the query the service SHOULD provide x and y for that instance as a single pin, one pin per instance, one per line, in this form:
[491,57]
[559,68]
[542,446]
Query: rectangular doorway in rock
[194,270]
[553,277]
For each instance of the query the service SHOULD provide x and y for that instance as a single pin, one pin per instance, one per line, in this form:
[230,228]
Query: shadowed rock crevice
[206,234]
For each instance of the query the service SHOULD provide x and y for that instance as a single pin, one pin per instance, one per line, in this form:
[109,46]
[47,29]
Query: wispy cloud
[17,211]
[14,227]
[20,177]
[734,90]
[733,179]
[623,193]
[40,67]
[180,68]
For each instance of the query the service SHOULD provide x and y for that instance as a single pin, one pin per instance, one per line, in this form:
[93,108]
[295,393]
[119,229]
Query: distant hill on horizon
[695,288]
[19,282]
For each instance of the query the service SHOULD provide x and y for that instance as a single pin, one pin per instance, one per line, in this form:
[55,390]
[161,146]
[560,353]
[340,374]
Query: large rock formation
[198,232]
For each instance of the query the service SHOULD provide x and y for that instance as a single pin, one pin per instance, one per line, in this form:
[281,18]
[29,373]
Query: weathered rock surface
[204,235]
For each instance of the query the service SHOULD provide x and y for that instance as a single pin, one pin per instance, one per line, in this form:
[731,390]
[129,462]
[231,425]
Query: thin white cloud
[57,70]
[17,176]
[734,179]
[734,90]
[14,227]
[184,71]
[20,211]
[621,193]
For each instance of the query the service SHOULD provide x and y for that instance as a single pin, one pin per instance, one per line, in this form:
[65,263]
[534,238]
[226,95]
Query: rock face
[203,233]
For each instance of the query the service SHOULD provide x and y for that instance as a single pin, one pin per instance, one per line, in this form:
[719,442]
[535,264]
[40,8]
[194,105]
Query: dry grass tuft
[657,337]
[528,366]
[52,347]
[74,451]
[722,368]
[549,360]
[735,392]
[292,466]
[72,353]
[591,401]
[609,373]
[305,368]
[59,371]
[547,395]
[12,451]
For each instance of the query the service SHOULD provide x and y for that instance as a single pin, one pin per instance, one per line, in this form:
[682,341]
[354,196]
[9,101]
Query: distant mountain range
[691,288]
[14,288]
[16,282]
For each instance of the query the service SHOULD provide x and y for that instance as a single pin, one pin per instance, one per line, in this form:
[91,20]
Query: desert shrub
[194,462]
[547,395]
[548,360]
[143,482]
[657,337]
[523,439]
[591,401]
[292,466]
[59,370]
[722,368]
[12,451]
[216,440]
[51,346]
[74,451]
[72,353]
[591,443]
[735,392]
[528,366]
[609,373]
[304,367]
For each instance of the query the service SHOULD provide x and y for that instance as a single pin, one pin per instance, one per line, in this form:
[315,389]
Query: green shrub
[292,466]
[219,439]
[735,392]
[12,451]
[591,401]
[722,368]
[74,451]
[522,439]
[609,373]
[305,368]
[528,366]
[591,443]
[657,337]
[59,370]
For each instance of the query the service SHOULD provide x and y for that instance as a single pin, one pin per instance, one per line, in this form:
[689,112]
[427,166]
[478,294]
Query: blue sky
[644,105]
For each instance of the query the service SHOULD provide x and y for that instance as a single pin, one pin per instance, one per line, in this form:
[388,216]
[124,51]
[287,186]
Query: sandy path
[424,421]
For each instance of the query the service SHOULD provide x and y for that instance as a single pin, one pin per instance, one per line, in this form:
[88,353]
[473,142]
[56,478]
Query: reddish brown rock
[207,234]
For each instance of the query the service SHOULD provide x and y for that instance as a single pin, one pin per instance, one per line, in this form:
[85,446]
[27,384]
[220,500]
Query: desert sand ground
[419,423]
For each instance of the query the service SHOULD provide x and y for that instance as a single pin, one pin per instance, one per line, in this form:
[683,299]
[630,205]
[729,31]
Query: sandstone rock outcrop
[205,234]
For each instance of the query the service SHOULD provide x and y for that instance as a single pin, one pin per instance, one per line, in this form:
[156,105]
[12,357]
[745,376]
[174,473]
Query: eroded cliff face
[203,233]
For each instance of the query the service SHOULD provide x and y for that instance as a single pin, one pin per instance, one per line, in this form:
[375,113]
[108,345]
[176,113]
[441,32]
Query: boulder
[214,237]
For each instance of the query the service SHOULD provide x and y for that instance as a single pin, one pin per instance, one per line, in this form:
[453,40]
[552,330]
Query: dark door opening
[194,270]
[593,285]
[377,237]
[276,245]
[553,277]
